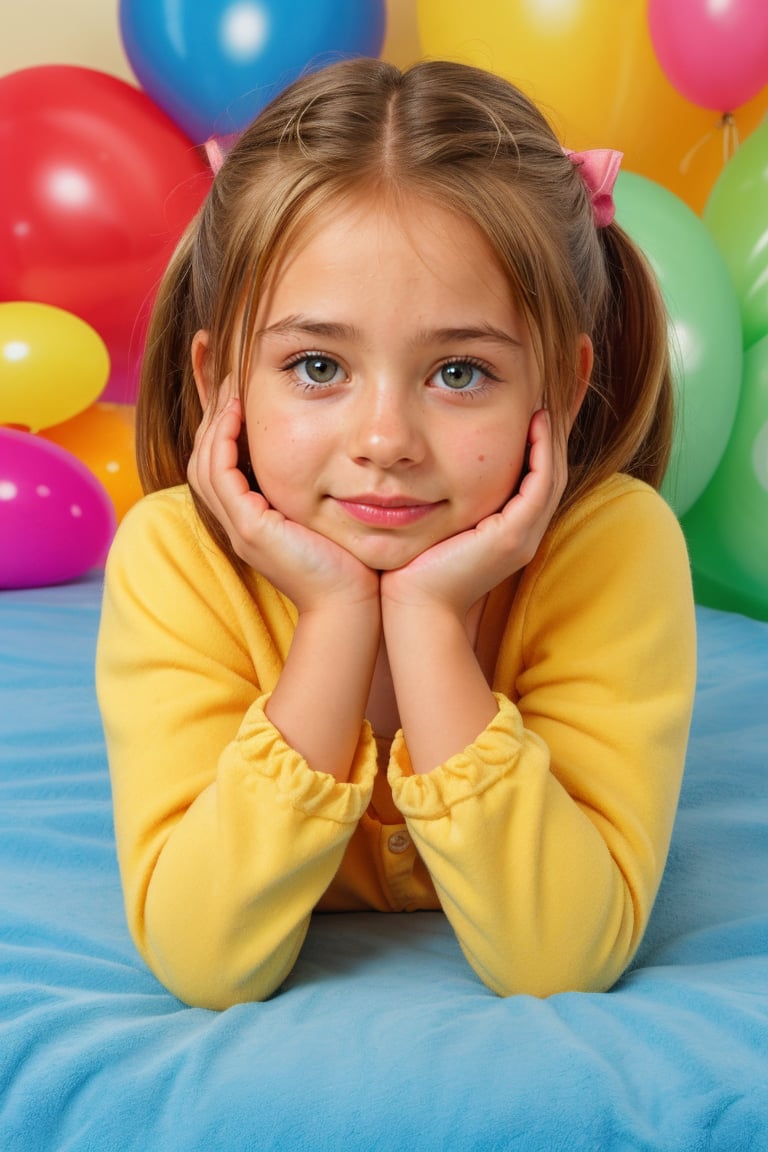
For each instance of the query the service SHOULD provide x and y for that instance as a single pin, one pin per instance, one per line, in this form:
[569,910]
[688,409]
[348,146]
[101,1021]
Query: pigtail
[626,421]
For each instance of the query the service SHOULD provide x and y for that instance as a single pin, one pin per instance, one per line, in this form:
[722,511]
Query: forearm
[319,701]
[443,697]
[542,897]
[220,909]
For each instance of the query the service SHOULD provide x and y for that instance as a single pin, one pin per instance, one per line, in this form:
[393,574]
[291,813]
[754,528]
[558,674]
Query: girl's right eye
[316,371]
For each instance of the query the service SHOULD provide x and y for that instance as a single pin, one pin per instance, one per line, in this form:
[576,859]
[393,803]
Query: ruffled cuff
[260,747]
[494,754]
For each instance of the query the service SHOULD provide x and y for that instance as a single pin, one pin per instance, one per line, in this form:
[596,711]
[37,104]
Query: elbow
[208,977]
[212,961]
[586,954]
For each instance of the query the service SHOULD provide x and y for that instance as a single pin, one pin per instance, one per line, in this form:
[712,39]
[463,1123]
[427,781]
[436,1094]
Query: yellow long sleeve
[226,838]
[547,838]
[544,841]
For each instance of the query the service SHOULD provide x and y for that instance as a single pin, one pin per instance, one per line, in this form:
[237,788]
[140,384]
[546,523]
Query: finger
[221,421]
[227,478]
[537,484]
[548,460]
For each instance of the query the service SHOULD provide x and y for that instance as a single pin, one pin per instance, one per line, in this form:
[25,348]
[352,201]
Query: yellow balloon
[52,365]
[591,67]
[568,55]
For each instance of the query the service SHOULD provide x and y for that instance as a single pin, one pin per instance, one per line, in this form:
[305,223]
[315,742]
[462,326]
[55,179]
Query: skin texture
[392,407]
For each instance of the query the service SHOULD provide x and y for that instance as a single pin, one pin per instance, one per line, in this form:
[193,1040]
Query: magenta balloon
[56,519]
[714,54]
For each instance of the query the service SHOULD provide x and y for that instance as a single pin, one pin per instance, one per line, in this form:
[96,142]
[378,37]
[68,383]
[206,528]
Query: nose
[386,428]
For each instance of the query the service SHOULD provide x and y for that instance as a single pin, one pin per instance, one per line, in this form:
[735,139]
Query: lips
[386,511]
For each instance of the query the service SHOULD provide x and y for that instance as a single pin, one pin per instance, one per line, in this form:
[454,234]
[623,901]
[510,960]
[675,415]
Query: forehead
[350,245]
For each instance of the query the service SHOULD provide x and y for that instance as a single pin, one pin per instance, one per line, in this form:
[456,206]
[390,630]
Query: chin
[384,556]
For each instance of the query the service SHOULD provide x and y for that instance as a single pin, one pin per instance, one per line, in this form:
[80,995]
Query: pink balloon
[56,519]
[715,54]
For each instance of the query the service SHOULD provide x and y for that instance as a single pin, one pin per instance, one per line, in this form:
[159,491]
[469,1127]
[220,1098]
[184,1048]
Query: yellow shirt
[544,841]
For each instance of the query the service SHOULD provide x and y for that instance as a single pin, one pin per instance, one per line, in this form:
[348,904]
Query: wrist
[358,609]
[358,594]
[432,617]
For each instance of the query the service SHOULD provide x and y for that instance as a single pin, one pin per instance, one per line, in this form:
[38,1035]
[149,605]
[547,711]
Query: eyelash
[302,358]
[469,361]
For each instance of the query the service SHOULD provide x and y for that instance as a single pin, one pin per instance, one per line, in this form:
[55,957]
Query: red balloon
[98,184]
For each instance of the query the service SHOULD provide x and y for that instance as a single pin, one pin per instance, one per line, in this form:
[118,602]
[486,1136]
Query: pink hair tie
[214,154]
[598,168]
[216,148]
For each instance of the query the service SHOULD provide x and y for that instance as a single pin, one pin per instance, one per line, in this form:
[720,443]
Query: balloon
[103,438]
[56,520]
[736,214]
[592,67]
[715,54]
[97,186]
[727,529]
[213,66]
[705,329]
[52,365]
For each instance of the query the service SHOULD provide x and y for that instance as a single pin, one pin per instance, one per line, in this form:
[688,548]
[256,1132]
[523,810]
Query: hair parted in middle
[464,139]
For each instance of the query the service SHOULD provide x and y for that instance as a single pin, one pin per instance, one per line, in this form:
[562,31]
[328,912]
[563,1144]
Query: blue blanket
[383,1038]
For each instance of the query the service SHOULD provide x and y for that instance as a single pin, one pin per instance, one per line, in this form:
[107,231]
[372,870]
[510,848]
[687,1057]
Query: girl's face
[391,383]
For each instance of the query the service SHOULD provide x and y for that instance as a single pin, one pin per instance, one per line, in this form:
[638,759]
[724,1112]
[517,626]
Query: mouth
[387,511]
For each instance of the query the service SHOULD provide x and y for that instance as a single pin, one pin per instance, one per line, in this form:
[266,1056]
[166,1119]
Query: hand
[458,571]
[311,570]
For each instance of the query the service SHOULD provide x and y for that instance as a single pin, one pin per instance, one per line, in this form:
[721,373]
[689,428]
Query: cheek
[285,459]
[492,470]
[269,455]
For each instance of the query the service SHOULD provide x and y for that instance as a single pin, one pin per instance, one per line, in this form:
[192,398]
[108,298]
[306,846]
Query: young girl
[403,623]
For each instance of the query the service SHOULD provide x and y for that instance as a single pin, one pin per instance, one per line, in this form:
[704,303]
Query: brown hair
[473,143]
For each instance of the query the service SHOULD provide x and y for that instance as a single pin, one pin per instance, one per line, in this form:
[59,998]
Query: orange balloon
[592,69]
[102,437]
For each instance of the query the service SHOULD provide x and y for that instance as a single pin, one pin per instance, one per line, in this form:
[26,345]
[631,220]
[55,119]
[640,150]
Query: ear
[585,358]
[201,366]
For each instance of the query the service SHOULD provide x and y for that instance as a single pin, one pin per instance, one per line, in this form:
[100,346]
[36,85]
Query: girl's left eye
[460,376]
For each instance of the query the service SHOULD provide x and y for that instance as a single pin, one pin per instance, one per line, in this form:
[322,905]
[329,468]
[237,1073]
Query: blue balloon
[212,65]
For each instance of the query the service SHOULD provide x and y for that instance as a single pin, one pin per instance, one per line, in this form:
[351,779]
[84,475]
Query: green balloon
[705,328]
[736,214]
[727,529]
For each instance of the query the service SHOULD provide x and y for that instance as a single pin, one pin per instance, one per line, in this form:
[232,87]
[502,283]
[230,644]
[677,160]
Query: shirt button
[399,842]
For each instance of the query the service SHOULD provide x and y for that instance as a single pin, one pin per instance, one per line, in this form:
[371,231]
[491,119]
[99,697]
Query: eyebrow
[480,332]
[333,330]
[306,325]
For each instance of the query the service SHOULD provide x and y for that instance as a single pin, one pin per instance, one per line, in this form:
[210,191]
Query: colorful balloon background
[105,175]
[214,65]
[101,185]
[736,214]
[52,365]
[593,67]
[727,529]
[715,54]
[705,336]
[102,437]
[56,520]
